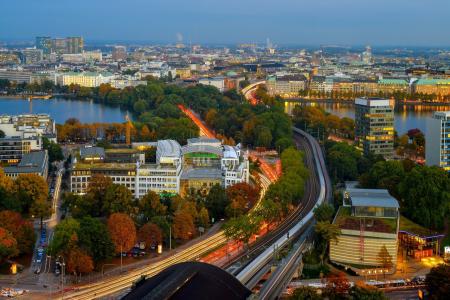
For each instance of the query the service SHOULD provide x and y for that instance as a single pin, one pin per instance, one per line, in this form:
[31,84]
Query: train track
[236,265]
[319,191]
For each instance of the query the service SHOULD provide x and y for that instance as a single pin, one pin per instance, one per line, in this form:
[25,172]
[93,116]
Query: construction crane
[128,126]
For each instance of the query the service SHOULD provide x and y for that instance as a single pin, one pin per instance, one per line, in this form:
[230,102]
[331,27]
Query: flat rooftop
[372,197]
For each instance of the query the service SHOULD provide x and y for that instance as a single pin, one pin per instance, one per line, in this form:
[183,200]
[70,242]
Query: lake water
[406,117]
[62,109]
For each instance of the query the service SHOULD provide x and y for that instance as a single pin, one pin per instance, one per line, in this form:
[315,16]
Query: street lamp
[63,273]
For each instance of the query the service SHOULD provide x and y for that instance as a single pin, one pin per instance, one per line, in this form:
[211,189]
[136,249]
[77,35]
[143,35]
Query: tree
[438,282]
[140,106]
[54,150]
[327,233]
[31,188]
[94,239]
[118,198]
[6,182]
[64,235]
[203,217]
[40,209]
[270,211]
[366,292]
[264,138]
[216,201]
[183,225]
[96,192]
[242,197]
[242,228]
[21,229]
[337,285]
[122,231]
[324,212]
[78,261]
[150,234]
[305,293]
[384,258]
[8,245]
[150,206]
[425,197]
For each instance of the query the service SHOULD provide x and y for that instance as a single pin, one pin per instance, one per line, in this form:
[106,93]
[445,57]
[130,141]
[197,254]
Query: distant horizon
[401,23]
[94,42]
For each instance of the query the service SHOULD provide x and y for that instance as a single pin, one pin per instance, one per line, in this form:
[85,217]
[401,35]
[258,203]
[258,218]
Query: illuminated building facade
[374,126]
[438,140]
[369,221]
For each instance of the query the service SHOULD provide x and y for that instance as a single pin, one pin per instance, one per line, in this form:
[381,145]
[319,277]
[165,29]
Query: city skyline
[346,22]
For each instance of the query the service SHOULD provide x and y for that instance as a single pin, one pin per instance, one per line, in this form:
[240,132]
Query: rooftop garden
[346,221]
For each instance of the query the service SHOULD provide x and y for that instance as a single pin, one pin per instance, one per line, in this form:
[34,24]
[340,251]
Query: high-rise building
[438,140]
[69,45]
[44,43]
[374,125]
[75,44]
[32,56]
[119,53]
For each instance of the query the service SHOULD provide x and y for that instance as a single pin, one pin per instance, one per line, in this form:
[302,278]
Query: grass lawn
[411,227]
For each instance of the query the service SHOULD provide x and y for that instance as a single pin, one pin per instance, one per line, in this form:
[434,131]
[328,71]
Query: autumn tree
[242,197]
[6,182]
[31,188]
[8,244]
[21,229]
[77,260]
[337,285]
[150,234]
[122,230]
[183,225]
[203,217]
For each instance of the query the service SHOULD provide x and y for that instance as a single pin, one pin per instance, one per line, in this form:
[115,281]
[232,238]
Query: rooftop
[372,197]
[194,173]
[92,151]
[168,148]
[33,162]
[345,220]
[190,280]
[202,148]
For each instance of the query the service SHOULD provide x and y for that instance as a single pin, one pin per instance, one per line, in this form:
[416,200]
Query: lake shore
[341,101]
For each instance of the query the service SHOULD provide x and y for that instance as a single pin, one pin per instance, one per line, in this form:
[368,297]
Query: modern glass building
[44,43]
[438,140]
[374,126]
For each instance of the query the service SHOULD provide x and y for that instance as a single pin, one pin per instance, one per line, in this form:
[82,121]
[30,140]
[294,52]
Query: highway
[318,190]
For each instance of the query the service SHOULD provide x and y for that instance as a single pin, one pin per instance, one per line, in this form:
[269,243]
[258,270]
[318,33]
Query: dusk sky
[345,22]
